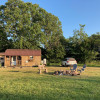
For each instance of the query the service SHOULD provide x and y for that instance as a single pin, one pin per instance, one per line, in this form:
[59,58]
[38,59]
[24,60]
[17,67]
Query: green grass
[92,64]
[89,64]
[27,84]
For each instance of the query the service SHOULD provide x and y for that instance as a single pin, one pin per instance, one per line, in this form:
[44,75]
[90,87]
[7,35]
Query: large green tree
[52,30]
[80,46]
[30,26]
[4,42]
[19,22]
[95,43]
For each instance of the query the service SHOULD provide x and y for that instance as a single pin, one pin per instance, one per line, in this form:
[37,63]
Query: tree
[80,46]
[17,18]
[55,51]
[95,43]
[30,26]
[4,42]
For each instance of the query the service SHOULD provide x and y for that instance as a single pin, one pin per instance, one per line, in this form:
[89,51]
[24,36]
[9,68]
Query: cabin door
[13,63]
[19,60]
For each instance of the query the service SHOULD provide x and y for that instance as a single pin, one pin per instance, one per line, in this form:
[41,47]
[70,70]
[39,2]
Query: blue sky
[71,13]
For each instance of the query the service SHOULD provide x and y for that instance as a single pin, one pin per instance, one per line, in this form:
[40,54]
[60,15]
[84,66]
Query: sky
[71,13]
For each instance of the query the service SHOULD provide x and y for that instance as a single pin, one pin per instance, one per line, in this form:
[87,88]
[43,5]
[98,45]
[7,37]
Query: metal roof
[2,53]
[22,52]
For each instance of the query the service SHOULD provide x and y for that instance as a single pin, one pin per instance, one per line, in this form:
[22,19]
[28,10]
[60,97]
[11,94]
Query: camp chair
[74,67]
[82,69]
[73,71]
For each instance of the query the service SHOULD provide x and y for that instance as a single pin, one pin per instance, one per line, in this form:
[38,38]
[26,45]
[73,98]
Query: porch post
[16,61]
[5,61]
[10,60]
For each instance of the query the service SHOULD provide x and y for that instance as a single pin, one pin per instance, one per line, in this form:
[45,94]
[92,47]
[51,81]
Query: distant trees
[95,44]
[95,41]
[80,46]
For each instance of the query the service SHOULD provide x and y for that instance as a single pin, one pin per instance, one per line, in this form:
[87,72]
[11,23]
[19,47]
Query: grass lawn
[27,84]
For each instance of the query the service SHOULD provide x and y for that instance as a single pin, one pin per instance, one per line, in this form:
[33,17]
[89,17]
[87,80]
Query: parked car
[69,62]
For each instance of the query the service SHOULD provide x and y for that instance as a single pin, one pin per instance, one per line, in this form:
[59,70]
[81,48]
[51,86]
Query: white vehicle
[69,62]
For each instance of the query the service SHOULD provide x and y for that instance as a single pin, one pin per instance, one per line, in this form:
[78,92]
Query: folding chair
[73,70]
[82,69]
[74,67]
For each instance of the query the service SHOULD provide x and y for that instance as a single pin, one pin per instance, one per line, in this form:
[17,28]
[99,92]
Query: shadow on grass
[58,66]
[49,73]
[28,72]
[53,94]
[91,79]
[14,71]
[53,66]
[11,96]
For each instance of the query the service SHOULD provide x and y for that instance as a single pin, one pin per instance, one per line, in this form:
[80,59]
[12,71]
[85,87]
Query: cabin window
[19,58]
[1,58]
[7,57]
[31,57]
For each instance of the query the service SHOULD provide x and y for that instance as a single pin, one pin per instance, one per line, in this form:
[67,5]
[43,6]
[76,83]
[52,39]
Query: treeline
[28,26]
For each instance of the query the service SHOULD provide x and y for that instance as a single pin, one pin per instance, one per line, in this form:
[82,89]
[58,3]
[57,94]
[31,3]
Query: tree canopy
[80,47]
[30,26]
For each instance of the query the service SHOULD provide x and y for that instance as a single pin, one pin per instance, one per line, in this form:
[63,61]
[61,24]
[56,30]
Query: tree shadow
[53,66]
[49,95]
[28,72]
[14,71]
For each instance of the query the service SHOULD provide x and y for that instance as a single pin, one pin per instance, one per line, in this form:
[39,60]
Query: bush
[94,63]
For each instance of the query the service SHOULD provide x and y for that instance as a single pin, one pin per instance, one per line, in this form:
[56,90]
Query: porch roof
[22,52]
[2,53]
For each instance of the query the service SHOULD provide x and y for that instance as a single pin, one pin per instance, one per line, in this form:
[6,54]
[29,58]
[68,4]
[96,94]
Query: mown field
[27,84]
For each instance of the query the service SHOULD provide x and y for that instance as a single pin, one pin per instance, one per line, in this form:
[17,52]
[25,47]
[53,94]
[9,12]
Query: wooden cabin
[22,57]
